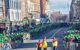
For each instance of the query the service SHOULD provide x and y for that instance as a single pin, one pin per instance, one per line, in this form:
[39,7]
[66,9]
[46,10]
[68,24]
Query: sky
[60,5]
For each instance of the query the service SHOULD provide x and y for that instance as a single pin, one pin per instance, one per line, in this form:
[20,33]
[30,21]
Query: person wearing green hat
[7,45]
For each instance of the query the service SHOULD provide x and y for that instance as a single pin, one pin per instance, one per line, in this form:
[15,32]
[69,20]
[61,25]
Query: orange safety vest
[39,44]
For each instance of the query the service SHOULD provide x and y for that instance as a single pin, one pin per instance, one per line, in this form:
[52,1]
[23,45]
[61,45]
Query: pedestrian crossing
[34,41]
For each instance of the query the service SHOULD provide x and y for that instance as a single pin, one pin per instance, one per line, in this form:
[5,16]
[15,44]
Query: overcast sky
[60,5]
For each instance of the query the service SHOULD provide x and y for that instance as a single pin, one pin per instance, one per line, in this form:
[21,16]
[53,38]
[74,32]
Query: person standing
[39,45]
[66,43]
[7,46]
[71,43]
[44,45]
[54,43]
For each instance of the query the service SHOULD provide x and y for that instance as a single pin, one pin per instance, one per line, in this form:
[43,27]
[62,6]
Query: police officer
[44,46]
[54,43]
[39,45]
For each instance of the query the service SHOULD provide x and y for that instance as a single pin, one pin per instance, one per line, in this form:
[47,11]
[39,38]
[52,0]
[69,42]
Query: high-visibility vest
[44,44]
[55,43]
[39,44]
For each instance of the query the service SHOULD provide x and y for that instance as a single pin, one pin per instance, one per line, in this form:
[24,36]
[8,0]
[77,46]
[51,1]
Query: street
[24,23]
[30,44]
[52,33]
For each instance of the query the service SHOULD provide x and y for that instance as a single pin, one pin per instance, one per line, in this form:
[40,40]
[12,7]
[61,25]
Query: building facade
[30,9]
[58,17]
[24,8]
[48,11]
[2,15]
[33,9]
[2,10]
[43,11]
[13,10]
[75,11]
[43,6]
[16,10]
[36,11]
[12,13]
[27,7]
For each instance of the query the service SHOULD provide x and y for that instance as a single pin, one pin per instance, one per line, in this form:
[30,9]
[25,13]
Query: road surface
[29,45]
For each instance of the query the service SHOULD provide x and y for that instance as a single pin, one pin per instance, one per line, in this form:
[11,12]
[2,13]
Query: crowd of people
[5,42]
[42,44]
[72,40]
[6,46]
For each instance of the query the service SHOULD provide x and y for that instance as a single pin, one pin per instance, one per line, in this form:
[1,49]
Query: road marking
[56,32]
[34,41]
[60,30]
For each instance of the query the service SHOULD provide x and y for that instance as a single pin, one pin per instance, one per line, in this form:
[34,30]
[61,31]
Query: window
[16,5]
[0,3]
[19,4]
[12,4]
[17,16]
[12,16]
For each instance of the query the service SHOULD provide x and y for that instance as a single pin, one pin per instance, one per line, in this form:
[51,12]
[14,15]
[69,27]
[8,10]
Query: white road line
[34,41]
[56,32]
